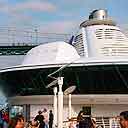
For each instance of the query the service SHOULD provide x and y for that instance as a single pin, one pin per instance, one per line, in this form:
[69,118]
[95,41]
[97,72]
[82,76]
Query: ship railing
[101,122]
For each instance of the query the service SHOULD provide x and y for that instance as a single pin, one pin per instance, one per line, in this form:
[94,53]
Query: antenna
[52,83]
[62,67]
[59,80]
[69,90]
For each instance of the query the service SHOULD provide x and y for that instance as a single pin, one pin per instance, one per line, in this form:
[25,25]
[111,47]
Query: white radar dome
[51,53]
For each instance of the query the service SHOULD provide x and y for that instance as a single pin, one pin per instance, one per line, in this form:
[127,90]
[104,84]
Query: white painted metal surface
[55,106]
[60,103]
[69,90]
[51,53]
[70,106]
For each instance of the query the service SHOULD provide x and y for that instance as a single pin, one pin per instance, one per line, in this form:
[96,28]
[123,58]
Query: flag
[71,40]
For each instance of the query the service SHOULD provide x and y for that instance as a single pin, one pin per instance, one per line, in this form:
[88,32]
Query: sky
[57,16]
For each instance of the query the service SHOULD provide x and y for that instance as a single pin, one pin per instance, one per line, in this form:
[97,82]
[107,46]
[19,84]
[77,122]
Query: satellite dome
[51,53]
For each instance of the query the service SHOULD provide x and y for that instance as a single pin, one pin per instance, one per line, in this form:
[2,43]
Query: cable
[121,76]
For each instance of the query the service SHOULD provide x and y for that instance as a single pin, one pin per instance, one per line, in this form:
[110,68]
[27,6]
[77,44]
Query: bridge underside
[15,50]
[103,79]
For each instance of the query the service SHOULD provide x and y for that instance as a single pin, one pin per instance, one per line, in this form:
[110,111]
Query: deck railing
[101,122]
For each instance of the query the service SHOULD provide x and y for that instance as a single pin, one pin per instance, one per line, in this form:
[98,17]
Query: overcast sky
[60,16]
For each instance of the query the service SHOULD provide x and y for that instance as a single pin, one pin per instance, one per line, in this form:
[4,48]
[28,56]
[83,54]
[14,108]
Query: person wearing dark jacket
[40,118]
[51,117]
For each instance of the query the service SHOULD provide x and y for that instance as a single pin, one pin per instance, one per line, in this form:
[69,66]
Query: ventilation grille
[79,44]
[114,41]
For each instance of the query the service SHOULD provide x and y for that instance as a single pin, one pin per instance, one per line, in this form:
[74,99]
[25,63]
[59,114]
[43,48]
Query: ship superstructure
[100,37]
